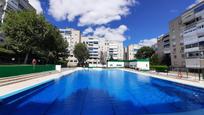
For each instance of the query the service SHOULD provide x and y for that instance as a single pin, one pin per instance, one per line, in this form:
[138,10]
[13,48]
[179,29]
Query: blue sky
[131,21]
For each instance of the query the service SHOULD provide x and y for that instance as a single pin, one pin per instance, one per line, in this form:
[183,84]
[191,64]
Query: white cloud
[148,42]
[90,12]
[36,4]
[196,2]
[116,34]
[87,31]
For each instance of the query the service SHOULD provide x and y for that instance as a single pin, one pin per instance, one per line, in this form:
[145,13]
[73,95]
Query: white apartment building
[114,49]
[94,49]
[73,37]
[193,35]
[101,50]
[132,51]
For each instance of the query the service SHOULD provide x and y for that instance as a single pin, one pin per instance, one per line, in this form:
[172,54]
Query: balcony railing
[195,63]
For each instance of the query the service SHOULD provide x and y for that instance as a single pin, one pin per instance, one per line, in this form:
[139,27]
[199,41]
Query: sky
[130,21]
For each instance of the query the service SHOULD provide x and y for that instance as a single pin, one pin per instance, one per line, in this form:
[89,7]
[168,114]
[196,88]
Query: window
[200,36]
[192,45]
[193,54]
[95,42]
[200,27]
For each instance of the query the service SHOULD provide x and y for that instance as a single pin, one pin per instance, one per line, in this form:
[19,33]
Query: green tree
[111,57]
[28,33]
[81,53]
[144,52]
[154,60]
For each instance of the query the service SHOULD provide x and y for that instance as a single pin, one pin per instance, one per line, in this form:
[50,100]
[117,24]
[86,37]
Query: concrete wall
[135,64]
[143,65]
[140,65]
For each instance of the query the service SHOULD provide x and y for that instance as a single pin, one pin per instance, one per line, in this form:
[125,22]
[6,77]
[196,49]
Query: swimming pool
[105,92]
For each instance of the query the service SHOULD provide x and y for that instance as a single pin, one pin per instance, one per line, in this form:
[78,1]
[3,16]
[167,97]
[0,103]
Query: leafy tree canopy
[144,52]
[154,60]
[28,33]
[81,53]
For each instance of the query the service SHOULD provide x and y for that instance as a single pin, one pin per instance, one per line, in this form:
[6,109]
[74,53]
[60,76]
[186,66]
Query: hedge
[14,70]
[159,68]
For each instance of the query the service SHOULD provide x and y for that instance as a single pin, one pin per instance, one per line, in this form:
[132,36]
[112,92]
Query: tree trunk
[26,58]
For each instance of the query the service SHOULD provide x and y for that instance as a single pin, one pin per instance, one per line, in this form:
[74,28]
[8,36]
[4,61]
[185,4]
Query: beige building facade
[132,51]
[73,37]
[93,46]
[177,43]
[163,46]
[114,49]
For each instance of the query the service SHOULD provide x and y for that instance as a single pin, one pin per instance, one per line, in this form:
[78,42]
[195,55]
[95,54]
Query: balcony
[190,26]
[191,49]
[167,51]
[189,31]
[195,63]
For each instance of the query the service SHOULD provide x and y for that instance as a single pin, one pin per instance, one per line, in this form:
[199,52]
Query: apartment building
[73,37]
[193,36]
[13,5]
[93,46]
[176,43]
[101,50]
[132,51]
[125,53]
[114,49]
[163,46]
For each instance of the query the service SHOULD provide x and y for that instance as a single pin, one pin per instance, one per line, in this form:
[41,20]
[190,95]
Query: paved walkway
[164,76]
[173,74]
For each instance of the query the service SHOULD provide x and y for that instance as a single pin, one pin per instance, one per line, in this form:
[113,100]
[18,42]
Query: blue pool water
[104,92]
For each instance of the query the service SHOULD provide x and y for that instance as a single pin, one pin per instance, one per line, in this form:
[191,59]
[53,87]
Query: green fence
[13,70]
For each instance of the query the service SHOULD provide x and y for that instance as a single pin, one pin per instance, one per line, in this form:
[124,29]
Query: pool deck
[9,87]
[199,84]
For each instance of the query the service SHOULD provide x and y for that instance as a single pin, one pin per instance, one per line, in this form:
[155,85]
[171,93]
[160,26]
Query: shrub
[159,68]
[62,63]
